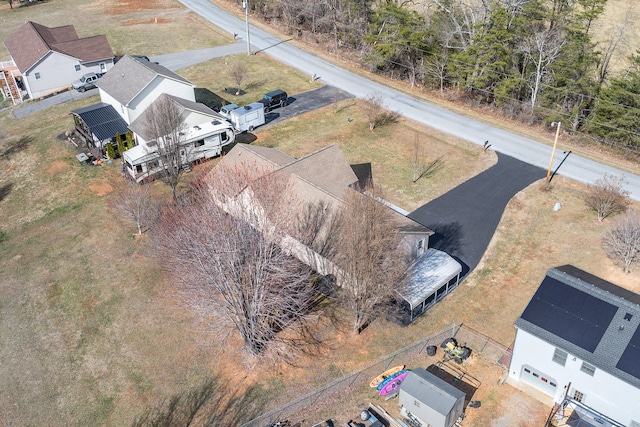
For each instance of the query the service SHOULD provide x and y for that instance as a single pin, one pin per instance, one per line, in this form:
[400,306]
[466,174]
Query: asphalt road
[464,232]
[521,148]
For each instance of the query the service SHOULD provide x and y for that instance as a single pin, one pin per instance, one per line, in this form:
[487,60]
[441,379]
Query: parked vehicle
[204,141]
[226,110]
[86,82]
[274,99]
[247,118]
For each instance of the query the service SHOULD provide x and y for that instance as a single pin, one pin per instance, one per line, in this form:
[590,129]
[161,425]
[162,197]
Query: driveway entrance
[465,218]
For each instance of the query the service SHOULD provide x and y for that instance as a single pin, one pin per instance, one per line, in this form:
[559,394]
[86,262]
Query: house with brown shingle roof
[50,59]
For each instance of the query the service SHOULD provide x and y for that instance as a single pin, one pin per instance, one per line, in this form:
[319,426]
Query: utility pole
[555,143]
[245,4]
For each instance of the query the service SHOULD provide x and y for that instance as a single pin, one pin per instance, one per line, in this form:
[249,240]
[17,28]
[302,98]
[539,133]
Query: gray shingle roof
[131,75]
[614,341]
[431,390]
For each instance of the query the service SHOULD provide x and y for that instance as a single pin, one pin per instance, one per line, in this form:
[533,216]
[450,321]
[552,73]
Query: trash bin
[431,350]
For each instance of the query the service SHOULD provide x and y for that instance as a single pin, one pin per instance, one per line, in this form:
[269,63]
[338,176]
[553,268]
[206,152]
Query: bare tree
[165,126]
[607,196]
[368,253]
[238,73]
[374,109]
[134,202]
[622,240]
[226,258]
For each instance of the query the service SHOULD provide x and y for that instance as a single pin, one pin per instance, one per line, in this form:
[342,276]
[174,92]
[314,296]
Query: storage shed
[427,281]
[430,399]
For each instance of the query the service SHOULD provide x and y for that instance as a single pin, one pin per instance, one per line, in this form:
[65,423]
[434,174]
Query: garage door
[538,380]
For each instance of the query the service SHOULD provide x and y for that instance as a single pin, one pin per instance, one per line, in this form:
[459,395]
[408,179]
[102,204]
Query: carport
[427,281]
[98,124]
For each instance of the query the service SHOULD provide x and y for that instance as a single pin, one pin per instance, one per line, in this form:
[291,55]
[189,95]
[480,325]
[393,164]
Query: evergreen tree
[120,145]
[399,40]
[130,142]
[489,59]
[111,152]
[616,115]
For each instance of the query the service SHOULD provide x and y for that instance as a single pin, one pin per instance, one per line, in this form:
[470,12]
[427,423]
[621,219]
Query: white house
[578,341]
[204,134]
[133,84]
[50,59]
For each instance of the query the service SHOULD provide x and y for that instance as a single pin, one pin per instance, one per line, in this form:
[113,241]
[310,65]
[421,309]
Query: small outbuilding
[427,281]
[430,399]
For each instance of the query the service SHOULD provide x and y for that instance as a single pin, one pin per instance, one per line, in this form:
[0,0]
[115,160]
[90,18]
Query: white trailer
[247,118]
[203,141]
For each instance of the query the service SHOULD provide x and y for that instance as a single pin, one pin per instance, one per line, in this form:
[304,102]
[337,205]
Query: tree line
[536,60]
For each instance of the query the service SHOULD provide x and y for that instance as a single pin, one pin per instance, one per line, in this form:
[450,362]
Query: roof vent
[628,316]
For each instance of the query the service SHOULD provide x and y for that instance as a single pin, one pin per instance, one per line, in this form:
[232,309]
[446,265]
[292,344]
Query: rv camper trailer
[203,141]
[247,118]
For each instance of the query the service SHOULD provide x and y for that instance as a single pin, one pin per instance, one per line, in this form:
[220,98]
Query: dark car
[274,99]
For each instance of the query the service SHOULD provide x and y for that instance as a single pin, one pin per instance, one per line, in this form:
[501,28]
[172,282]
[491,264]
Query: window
[199,143]
[587,368]
[37,76]
[560,357]
[224,136]
[138,168]
[77,68]
[416,403]
[578,396]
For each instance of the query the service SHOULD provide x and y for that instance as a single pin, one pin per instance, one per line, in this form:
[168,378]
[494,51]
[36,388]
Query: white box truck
[247,118]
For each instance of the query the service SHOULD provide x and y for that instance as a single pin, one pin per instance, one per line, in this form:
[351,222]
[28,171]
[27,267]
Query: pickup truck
[86,82]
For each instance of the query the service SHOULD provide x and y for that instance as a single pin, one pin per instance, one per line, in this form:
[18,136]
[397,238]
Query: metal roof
[102,120]
[431,390]
[595,310]
[427,274]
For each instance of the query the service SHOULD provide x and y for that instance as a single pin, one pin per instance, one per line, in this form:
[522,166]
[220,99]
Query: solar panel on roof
[569,313]
[630,360]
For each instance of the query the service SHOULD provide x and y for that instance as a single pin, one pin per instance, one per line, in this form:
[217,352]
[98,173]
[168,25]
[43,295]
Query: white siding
[602,391]
[57,72]
[121,109]
[157,87]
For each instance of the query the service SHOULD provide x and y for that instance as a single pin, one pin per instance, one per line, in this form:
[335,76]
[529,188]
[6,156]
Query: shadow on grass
[256,84]
[16,147]
[214,403]
[5,190]
[210,99]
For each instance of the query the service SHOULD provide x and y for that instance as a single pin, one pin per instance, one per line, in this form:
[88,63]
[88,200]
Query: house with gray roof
[578,342]
[50,59]
[430,399]
[133,84]
[324,177]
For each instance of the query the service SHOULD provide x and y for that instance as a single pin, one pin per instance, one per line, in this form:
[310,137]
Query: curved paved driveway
[466,217]
[525,149]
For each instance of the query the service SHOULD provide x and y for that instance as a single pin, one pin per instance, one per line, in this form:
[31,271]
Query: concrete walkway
[466,217]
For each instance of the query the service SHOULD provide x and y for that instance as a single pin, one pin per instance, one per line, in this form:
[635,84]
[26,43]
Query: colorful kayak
[389,379]
[377,380]
[393,385]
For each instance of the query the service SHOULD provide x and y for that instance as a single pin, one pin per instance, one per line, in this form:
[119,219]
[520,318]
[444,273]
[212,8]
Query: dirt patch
[147,21]
[126,7]
[56,167]
[100,188]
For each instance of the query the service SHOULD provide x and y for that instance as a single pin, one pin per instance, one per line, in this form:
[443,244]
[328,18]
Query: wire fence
[476,341]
